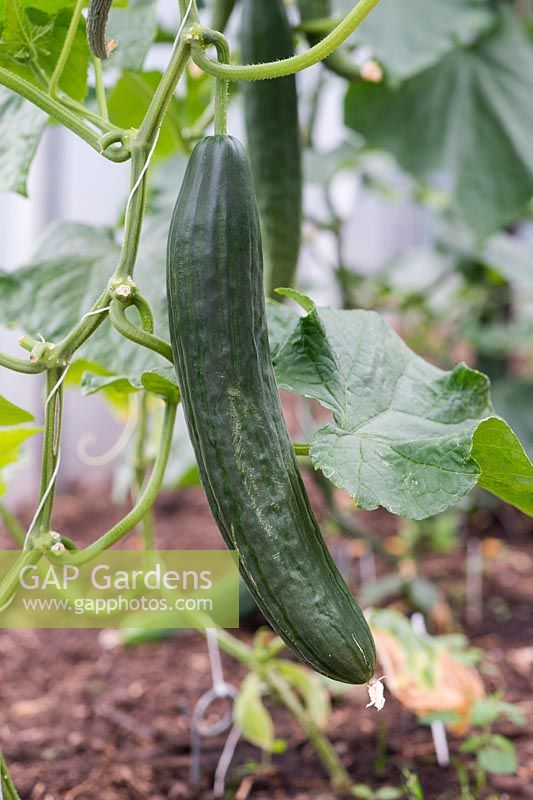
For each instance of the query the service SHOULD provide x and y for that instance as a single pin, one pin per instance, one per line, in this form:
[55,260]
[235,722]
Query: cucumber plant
[405,435]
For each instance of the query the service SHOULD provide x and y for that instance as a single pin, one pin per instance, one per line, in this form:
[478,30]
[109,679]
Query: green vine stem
[65,50]
[53,108]
[6,784]
[339,777]
[137,143]
[11,579]
[89,115]
[164,92]
[50,449]
[338,62]
[134,213]
[145,312]
[140,467]
[20,365]
[13,525]
[144,503]
[84,329]
[101,98]
[217,40]
[268,670]
[199,126]
[288,66]
[121,323]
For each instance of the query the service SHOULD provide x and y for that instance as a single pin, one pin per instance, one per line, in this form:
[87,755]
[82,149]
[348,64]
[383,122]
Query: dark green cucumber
[222,11]
[96,27]
[314,9]
[273,133]
[245,458]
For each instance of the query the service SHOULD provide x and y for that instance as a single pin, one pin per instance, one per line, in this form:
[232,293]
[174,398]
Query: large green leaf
[21,127]
[12,435]
[402,429]
[131,97]
[252,717]
[70,269]
[31,42]
[10,414]
[73,264]
[470,116]
[129,101]
[506,470]
[405,48]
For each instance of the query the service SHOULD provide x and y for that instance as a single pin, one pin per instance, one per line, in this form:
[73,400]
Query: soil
[82,721]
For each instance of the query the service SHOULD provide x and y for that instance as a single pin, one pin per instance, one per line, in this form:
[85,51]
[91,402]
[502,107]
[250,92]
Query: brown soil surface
[82,722]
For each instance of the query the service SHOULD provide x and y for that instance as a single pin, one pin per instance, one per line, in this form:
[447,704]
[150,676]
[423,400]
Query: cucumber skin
[245,458]
[222,11]
[273,139]
[96,27]
[314,9]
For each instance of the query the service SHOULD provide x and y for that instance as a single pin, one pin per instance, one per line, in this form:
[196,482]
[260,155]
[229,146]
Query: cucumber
[222,11]
[273,137]
[314,9]
[245,458]
[96,27]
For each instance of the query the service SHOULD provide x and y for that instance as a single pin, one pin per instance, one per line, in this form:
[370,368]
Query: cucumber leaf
[310,687]
[10,414]
[402,430]
[72,263]
[506,469]
[405,48]
[21,128]
[131,96]
[469,117]
[498,756]
[252,718]
[31,42]
[13,434]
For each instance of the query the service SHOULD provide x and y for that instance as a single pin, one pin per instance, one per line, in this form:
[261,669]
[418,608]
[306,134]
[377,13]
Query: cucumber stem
[13,525]
[65,50]
[289,66]
[140,467]
[55,109]
[211,37]
[50,450]
[324,749]
[142,506]
[20,365]
[130,331]
[6,784]
[10,581]
[101,98]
